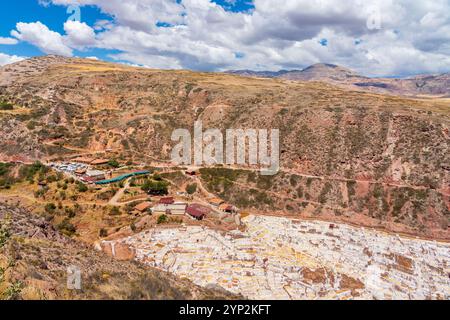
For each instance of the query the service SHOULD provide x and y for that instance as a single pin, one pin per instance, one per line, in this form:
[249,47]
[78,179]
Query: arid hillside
[350,155]
[34,258]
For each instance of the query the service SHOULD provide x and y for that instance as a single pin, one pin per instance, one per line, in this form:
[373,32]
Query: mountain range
[421,85]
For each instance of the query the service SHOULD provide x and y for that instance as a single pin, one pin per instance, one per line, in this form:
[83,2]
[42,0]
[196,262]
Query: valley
[358,210]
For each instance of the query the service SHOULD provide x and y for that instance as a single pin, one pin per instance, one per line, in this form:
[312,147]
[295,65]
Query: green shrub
[4,168]
[70,212]
[13,291]
[28,172]
[114,163]
[31,125]
[66,227]
[6,106]
[50,208]
[323,194]
[4,234]
[114,211]
[162,219]
[81,187]
[103,233]
[156,187]
[191,188]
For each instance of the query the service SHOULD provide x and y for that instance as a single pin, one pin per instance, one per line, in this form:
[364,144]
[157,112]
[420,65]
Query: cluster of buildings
[168,206]
[69,167]
[80,171]
[84,170]
[92,176]
[222,205]
[281,258]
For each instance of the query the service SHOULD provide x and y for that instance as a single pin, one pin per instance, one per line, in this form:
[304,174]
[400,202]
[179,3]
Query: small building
[143,207]
[197,211]
[228,208]
[178,208]
[99,162]
[87,179]
[95,174]
[191,172]
[166,200]
[216,201]
[80,171]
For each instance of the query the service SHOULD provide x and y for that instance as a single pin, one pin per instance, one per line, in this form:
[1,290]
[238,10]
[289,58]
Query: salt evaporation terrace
[281,258]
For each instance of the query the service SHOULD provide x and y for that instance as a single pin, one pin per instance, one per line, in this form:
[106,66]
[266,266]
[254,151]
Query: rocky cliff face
[344,153]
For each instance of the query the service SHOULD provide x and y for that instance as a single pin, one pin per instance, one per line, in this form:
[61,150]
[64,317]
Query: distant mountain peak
[318,71]
[322,71]
[322,65]
[261,74]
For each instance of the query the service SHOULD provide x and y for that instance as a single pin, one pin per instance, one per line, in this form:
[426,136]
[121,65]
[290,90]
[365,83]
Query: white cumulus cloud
[42,37]
[8,59]
[10,41]
[374,37]
[78,34]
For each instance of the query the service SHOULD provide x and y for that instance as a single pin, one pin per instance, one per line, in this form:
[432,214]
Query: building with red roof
[167,200]
[197,211]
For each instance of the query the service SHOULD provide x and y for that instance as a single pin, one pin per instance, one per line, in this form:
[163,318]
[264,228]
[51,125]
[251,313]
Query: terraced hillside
[361,157]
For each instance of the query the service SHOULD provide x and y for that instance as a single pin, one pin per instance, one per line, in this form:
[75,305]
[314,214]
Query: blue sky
[236,6]
[373,37]
[53,16]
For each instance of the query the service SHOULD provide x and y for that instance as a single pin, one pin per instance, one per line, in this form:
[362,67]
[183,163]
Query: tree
[162,219]
[113,163]
[156,187]
[29,171]
[191,188]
